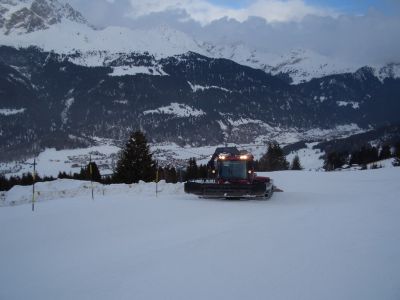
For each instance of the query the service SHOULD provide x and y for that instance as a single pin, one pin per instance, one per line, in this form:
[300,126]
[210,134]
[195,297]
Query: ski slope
[328,236]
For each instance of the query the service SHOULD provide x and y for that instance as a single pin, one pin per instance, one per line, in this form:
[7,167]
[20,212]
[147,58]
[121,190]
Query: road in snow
[328,236]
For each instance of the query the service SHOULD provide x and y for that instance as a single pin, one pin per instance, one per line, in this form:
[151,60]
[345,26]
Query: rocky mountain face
[48,101]
[26,16]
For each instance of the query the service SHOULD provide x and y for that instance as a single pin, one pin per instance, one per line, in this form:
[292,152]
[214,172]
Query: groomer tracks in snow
[328,236]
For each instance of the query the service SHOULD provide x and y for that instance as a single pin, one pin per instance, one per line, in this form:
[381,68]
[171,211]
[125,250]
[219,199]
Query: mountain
[48,100]
[299,65]
[55,26]
[27,16]
[81,83]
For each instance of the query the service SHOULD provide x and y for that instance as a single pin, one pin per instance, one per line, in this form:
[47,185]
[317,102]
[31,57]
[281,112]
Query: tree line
[367,154]
[136,163]
[273,159]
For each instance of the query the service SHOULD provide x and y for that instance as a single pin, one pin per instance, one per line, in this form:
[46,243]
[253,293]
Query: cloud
[271,26]
[205,12]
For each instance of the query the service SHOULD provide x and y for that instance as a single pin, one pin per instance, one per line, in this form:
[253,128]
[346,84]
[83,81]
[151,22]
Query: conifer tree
[91,172]
[135,161]
[173,175]
[334,160]
[365,155]
[274,159]
[4,183]
[203,172]
[385,152]
[170,175]
[192,170]
[296,165]
[396,162]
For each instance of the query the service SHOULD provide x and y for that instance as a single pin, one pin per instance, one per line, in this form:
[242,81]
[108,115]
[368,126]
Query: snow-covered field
[327,236]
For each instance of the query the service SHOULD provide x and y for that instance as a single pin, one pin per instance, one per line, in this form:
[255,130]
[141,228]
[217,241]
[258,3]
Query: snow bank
[68,188]
[328,236]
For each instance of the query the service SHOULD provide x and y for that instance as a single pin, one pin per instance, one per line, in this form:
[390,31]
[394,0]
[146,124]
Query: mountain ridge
[56,94]
[65,30]
[189,99]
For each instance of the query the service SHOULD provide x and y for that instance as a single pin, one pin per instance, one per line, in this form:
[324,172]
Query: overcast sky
[366,30]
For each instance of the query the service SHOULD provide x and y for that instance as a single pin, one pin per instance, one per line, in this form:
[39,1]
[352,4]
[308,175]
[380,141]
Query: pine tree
[334,160]
[91,172]
[135,161]
[385,152]
[274,159]
[296,165]
[27,179]
[365,155]
[170,175]
[173,175]
[192,171]
[62,175]
[203,172]
[4,183]
[396,162]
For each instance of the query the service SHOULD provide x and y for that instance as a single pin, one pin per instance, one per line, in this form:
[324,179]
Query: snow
[310,159]
[301,64]
[322,98]
[13,6]
[97,45]
[197,87]
[222,125]
[68,37]
[123,102]
[51,161]
[64,114]
[11,111]
[353,104]
[133,70]
[391,70]
[178,110]
[327,236]
[339,131]
[246,121]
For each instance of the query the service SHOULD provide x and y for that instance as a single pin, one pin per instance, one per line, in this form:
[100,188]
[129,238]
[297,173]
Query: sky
[111,12]
[363,30]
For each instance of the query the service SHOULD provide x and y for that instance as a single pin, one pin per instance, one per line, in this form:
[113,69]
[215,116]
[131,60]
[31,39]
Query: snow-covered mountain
[26,16]
[55,26]
[300,65]
[50,100]
[84,82]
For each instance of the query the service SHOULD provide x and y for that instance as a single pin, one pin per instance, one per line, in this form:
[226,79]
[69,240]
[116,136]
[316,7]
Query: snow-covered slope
[300,64]
[327,236]
[67,37]
[52,25]
[18,17]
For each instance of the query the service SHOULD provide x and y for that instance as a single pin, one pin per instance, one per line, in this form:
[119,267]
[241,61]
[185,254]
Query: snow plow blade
[213,190]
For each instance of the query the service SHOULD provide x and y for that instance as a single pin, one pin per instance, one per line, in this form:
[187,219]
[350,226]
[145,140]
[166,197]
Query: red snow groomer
[231,175]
